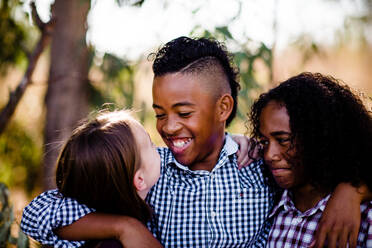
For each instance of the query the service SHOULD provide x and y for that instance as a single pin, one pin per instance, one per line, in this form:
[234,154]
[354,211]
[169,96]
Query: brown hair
[98,163]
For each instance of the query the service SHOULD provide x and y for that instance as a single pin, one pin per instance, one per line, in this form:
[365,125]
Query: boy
[201,198]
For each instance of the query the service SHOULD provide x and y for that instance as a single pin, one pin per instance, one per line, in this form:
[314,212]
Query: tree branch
[15,96]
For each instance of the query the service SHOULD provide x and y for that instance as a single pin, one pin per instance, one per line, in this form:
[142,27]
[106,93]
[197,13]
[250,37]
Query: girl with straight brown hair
[108,164]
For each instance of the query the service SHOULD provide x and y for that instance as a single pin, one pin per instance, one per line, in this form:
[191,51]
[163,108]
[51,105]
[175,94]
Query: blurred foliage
[14,38]
[20,158]
[246,55]
[137,3]
[117,84]
[356,30]
[358,26]
[308,47]
[112,78]
[6,222]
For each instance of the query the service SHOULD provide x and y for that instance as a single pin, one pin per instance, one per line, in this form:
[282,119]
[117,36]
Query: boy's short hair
[181,52]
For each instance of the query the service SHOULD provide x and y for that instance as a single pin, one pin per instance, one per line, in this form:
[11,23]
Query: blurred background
[61,60]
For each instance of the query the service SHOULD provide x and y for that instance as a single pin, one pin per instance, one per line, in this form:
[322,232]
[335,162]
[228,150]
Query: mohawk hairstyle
[188,55]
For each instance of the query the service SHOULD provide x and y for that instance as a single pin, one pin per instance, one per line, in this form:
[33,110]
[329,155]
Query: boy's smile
[187,119]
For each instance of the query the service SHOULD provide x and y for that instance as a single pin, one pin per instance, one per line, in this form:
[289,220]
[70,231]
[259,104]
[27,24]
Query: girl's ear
[139,181]
[224,106]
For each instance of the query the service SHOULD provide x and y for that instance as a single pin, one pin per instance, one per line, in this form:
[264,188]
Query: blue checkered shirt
[226,207]
[49,211]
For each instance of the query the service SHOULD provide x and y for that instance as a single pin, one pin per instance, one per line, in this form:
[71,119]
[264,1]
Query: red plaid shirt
[292,228]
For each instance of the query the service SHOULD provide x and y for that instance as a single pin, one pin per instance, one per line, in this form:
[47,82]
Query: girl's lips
[280,172]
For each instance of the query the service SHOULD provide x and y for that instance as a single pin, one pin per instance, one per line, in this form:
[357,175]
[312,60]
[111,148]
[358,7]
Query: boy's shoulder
[166,155]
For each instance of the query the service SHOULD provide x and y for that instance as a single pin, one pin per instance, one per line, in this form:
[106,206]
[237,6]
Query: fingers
[320,237]
[333,237]
[353,237]
[336,236]
[245,162]
[243,151]
[342,240]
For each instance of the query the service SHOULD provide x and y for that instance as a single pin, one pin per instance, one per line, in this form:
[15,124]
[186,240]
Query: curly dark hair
[331,129]
[181,52]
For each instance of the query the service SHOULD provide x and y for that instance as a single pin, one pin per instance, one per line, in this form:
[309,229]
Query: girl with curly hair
[315,134]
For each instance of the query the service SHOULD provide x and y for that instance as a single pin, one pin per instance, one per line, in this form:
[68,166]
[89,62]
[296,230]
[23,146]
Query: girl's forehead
[274,116]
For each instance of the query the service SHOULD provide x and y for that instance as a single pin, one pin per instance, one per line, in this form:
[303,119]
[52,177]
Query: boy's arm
[130,231]
[341,218]
[49,211]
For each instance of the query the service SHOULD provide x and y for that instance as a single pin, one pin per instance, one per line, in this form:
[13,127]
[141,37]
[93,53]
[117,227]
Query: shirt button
[213,214]
[212,176]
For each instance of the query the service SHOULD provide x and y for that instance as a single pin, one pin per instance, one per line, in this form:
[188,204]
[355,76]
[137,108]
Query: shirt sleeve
[49,211]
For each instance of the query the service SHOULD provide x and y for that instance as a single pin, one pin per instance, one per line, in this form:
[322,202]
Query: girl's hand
[246,155]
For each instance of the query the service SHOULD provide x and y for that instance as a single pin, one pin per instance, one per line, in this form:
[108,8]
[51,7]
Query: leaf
[195,11]
[225,31]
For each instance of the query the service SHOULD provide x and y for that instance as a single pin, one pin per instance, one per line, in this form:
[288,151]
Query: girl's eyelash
[284,140]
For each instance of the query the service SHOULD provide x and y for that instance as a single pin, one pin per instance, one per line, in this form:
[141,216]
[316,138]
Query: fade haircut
[196,56]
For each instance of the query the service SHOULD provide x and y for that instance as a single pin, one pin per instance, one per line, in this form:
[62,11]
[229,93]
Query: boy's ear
[224,106]
[139,181]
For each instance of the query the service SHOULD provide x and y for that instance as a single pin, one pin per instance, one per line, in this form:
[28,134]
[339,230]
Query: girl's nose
[271,152]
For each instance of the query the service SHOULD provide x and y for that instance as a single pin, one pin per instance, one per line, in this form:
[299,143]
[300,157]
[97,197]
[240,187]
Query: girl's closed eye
[284,141]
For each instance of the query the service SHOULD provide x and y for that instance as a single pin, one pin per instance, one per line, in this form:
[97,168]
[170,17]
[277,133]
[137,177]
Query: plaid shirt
[49,211]
[292,228]
[226,207]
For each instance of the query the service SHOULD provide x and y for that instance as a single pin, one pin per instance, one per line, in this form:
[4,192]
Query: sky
[134,31]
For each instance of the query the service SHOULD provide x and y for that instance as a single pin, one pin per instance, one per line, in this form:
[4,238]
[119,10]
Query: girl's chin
[285,184]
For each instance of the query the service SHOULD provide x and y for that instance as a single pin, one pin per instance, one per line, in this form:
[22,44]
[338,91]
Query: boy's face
[187,118]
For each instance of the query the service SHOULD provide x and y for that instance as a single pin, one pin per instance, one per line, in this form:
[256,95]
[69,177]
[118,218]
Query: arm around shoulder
[48,211]
[130,231]
[342,217]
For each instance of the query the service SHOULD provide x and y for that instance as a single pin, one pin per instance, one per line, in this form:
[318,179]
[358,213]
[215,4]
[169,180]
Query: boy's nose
[171,126]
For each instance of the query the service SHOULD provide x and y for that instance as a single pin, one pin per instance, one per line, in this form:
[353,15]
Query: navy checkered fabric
[226,207]
[49,211]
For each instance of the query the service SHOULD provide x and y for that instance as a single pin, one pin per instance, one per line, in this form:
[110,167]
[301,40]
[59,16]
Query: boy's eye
[185,114]
[159,116]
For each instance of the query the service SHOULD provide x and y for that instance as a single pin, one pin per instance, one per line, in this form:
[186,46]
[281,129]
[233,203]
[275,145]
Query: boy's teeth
[180,143]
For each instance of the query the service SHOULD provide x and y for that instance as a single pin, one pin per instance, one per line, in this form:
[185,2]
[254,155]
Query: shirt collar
[286,204]
[230,147]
